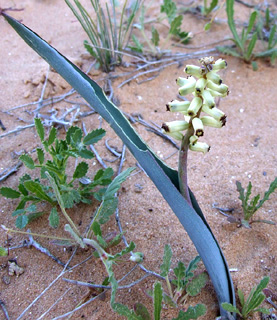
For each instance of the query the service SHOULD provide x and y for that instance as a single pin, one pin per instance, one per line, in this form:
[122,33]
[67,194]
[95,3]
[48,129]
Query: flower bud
[183,81]
[222,88]
[136,257]
[214,77]
[193,139]
[177,125]
[214,112]
[212,122]
[200,85]
[219,64]
[198,127]
[217,94]
[208,99]
[199,146]
[176,135]
[187,87]
[195,106]
[178,106]
[194,70]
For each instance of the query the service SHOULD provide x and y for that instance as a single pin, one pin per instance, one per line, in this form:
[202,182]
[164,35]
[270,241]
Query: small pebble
[6,279]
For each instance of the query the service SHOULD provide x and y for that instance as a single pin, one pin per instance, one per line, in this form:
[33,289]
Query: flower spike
[205,88]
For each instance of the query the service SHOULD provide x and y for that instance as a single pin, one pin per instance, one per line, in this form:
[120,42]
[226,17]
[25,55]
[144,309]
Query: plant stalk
[183,164]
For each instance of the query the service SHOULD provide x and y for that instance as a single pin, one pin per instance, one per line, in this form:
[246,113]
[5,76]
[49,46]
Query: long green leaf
[231,23]
[158,298]
[165,178]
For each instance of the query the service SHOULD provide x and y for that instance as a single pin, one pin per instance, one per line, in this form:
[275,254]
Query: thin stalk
[34,234]
[169,286]
[183,163]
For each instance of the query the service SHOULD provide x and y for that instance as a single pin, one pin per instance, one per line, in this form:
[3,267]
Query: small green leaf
[229,307]
[54,218]
[142,311]
[106,209]
[28,161]
[192,312]
[254,65]
[40,129]
[70,132]
[52,136]
[116,183]
[9,193]
[69,198]
[138,46]
[81,170]
[34,215]
[241,297]
[22,189]
[18,212]
[180,272]
[94,136]
[40,154]
[195,286]
[158,298]
[124,311]
[192,266]
[175,25]
[128,249]
[21,221]
[96,229]
[102,176]
[76,137]
[166,261]
[86,154]
[36,188]
[207,26]
[251,46]
[155,37]
[170,9]
[3,252]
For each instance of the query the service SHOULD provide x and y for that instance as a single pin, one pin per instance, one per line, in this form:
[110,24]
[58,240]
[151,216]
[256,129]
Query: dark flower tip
[165,127]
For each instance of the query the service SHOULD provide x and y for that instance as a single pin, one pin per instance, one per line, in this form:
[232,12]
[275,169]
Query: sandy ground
[243,150]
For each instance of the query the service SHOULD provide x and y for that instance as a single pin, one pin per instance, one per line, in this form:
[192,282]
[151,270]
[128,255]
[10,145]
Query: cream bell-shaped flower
[178,106]
[205,84]
[177,125]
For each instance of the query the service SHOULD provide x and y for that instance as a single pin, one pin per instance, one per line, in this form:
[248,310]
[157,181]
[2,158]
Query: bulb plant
[165,178]
[205,84]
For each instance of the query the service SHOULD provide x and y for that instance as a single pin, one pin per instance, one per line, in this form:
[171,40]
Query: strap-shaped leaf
[164,177]
[231,23]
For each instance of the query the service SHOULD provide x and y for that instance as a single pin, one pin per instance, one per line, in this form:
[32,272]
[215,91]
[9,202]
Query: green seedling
[73,190]
[207,9]
[107,37]
[140,312]
[266,29]
[156,46]
[246,42]
[253,302]
[251,206]
[185,283]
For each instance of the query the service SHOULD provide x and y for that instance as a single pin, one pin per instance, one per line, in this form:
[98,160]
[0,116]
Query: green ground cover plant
[33,191]
[252,303]
[156,45]
[107,39]
[250,206]
[245,42]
